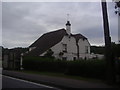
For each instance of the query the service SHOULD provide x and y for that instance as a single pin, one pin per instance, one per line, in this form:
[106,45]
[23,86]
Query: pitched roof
[78,36]
[48,40]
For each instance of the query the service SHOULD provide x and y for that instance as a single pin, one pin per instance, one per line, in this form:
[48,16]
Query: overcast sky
[24,22]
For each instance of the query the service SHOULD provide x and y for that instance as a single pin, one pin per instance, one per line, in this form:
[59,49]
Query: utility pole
[110,75]
[118,6]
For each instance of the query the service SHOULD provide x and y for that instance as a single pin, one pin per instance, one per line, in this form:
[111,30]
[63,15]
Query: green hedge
[43,64]
[86,68]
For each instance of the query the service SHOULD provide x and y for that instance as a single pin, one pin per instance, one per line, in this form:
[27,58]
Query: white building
[63,43]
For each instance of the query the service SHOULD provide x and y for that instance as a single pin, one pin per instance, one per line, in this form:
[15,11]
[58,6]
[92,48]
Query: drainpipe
[77,49]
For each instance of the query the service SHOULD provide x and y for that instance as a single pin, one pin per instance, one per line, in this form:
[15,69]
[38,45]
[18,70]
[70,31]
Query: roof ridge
[54,31]
[46,41]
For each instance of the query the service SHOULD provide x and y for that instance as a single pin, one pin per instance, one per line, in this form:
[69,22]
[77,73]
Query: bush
[86,68]
[43,64]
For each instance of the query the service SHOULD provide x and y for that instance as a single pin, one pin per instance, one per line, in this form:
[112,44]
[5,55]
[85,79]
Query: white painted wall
[71,48]
[82,44]
[82,48]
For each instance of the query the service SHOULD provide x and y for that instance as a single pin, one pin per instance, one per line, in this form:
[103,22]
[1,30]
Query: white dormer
[68,27]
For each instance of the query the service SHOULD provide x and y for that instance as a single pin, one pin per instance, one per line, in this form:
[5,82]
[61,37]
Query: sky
[25,22]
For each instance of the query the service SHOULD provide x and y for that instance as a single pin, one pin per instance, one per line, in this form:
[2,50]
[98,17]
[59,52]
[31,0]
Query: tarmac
[59,82]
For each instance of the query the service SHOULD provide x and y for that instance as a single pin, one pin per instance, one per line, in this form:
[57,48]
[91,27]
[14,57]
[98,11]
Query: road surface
[10,82]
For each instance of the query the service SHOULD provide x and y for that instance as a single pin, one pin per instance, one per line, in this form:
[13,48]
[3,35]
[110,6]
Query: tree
[97,49]
[117,6]
[49,54]
[115,49]
[110,74]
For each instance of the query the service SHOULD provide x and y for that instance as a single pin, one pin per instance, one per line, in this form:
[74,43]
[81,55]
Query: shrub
[43,64]
[86,68]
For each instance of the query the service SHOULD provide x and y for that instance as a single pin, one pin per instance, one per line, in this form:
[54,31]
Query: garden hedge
[86,68]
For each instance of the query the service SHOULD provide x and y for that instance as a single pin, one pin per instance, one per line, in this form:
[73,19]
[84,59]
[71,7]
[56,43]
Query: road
[10,82]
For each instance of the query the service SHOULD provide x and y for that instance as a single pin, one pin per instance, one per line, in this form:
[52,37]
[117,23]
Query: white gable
[71,47]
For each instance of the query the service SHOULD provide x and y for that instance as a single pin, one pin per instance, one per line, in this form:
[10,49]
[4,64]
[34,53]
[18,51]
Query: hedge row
[44,64]
[85,68]
[89,68]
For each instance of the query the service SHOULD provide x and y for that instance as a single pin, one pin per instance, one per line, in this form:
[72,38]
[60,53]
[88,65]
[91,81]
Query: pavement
[63,83]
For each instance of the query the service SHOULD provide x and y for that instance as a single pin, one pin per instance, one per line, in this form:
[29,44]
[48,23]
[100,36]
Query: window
[86,49]
[74,58]
[64,58]
[64,47]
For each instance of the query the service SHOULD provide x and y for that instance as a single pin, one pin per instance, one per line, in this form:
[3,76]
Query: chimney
[68,28]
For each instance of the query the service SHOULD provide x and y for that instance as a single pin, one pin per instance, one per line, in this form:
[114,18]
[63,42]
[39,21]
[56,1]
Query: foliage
[43,64]
[49,54]
[115,49]
[61,54]
[85,68]
[101,49]
[117,5]
[98,49]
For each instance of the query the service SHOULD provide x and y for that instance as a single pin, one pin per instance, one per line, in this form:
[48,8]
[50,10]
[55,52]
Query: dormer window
[64,47]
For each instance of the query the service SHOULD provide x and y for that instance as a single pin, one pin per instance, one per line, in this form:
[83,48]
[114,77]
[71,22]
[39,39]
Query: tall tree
[110,75]
[117,7]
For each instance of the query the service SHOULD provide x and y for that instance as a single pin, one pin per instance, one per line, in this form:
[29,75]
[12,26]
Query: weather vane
[68,16]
